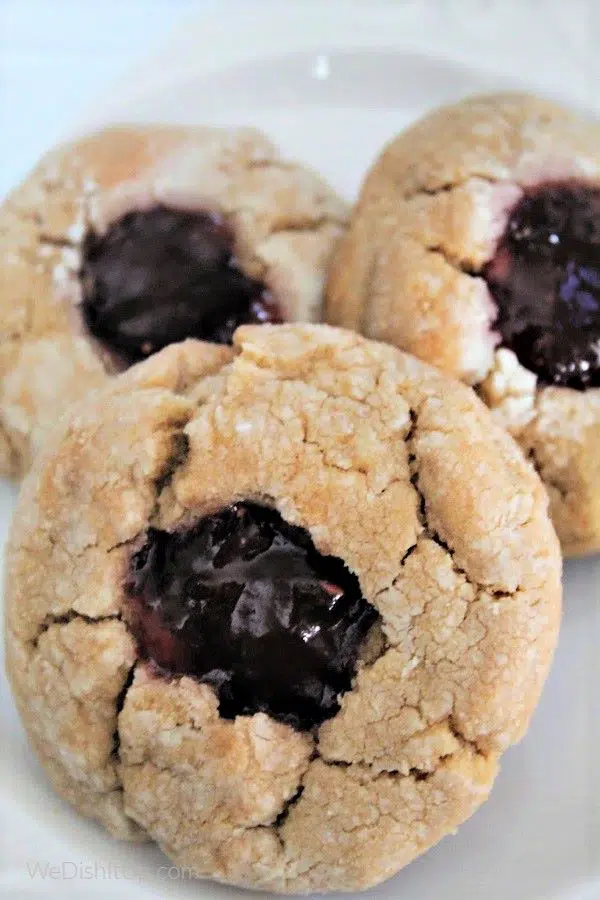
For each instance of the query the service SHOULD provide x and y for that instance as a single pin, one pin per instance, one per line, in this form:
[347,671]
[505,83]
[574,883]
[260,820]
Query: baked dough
[284,221]
[389,466]
[429,218]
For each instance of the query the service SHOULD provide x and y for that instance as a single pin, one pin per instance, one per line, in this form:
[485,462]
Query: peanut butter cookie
[280,606]
[475,245]
[136,237]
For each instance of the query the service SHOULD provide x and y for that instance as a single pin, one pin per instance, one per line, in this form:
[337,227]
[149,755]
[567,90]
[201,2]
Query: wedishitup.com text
[70,870]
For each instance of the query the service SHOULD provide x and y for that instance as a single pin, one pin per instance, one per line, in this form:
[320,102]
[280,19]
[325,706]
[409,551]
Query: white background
[56,55]
[538,837]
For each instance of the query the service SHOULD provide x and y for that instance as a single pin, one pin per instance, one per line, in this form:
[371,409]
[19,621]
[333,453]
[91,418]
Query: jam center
[161,275]
[244,602]
[545,279]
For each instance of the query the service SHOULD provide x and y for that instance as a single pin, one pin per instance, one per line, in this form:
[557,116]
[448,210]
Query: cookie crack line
[308,225]
[119,704]
[13,463]
[289,804]
[335,467]
[271,163]
[59,243]
[532,455]
[547,478]
[381,774]
[446,187]
[66,618]
[177,458]
[305,226]
[116,750]
[431,533]
[128,542]
[454,263]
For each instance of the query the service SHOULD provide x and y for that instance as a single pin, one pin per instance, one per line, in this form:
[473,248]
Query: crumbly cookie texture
[389,466]
[428,219]
[285,221]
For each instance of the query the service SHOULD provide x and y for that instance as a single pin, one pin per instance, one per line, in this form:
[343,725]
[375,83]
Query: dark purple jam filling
[244,602]
[545,279]
[161,275]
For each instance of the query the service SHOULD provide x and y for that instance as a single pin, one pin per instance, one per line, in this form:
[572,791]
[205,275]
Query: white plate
[331,81]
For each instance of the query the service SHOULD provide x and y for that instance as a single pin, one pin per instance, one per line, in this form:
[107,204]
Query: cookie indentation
[545,278]
[244,602]
[161,275]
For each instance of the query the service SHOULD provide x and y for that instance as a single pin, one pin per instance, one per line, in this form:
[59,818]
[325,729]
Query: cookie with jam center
[260,611]
[128,240]
[475,245]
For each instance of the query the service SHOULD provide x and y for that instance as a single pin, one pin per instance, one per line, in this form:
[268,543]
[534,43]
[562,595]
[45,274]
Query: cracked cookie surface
[85,289]
[373,454]
[458,219]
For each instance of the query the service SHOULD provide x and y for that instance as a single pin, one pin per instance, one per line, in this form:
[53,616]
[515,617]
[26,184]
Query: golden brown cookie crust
[285,219]
[428,218]
[389,466]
